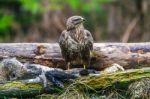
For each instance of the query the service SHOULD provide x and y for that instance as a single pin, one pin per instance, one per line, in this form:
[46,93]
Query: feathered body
[76,42]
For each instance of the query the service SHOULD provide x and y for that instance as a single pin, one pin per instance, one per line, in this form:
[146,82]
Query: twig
[129,29]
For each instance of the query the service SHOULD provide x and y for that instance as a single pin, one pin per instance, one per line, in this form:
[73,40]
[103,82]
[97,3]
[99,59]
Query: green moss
[20,85]
[119,78]
[118,81]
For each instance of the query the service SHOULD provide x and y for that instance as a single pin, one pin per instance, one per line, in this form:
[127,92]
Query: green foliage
[17,11]
[87,6]
[24,12]
[33,6]
[5,22]
[75,4]
[56,4]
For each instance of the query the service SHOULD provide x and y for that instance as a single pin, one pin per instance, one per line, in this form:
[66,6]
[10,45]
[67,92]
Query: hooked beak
[82,19]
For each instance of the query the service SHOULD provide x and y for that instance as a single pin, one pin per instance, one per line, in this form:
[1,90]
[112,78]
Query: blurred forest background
[44,20]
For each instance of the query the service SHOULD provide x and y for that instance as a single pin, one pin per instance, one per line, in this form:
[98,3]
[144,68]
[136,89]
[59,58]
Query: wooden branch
[129,55]
[119,80]
[129,29]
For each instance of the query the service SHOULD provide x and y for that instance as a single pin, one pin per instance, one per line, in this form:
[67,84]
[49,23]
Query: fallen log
[118,80]
[19,89]
[128,55]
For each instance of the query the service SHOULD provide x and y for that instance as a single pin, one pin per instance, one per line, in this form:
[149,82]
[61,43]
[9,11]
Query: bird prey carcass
[76,42]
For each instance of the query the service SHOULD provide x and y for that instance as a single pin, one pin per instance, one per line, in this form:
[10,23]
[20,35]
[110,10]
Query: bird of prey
[76,42]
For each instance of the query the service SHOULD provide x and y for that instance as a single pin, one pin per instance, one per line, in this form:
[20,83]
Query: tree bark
[118,80]
[128,55]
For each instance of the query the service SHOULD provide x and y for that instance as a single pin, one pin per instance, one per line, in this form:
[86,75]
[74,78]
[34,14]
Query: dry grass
[140,89]
[79,90]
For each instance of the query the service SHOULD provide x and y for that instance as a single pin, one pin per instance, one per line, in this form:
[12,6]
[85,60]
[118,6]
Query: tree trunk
[118,80]
[128,55]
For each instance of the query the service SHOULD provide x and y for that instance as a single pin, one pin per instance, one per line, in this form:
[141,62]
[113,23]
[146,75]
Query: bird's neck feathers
[80,27]
[70,28]
[77,33]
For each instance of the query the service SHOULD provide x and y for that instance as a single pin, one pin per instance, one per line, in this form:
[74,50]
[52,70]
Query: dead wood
[118,80]
[129,55]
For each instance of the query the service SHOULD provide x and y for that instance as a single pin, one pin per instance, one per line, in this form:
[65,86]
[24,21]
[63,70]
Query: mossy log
[128,55]
[119,80]
[20,89]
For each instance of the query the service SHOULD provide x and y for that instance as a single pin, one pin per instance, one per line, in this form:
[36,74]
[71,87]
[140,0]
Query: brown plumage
[76,42]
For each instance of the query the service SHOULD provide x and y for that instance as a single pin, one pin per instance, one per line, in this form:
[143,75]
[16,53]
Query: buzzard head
[74,22]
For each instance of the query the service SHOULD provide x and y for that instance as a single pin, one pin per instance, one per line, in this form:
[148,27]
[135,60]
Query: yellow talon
[84,67]
[68,66]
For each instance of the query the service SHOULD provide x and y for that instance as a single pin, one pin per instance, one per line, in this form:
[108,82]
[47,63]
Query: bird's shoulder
[63,36]
[89,39]
[87,32]
[64,32]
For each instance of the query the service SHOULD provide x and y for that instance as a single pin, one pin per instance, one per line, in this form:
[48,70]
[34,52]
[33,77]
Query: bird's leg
[68,66]
[84,66]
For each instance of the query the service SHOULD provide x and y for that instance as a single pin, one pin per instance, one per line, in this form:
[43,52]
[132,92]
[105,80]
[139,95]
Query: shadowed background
[44,20]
